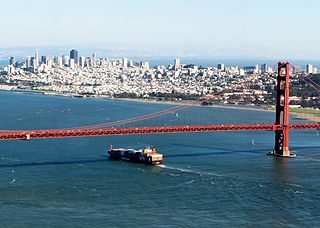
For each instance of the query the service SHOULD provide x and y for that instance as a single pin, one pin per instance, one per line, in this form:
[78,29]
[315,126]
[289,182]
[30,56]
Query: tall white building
[28,62]
[125,62]
[145,65]
[82,61]
[221,67]
[309,69]
[177,64]
[88,62]
[94,60]
[71,63]
[65,60]
[58,61]
[50,63]
[10,69]
[36,59]
[315,70]
[256,71]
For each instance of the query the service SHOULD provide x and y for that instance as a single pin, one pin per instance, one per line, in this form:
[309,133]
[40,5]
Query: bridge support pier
[281,148]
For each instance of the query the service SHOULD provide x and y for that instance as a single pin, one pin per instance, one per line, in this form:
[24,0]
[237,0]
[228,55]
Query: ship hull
[125,155]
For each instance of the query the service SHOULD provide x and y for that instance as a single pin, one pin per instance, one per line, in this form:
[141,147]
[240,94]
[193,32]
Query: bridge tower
[281,147]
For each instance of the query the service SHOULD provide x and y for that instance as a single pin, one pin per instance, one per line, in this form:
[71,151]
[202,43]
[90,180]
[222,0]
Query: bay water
[219,179]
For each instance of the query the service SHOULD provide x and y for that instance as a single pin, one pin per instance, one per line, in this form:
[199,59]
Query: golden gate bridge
[281,127]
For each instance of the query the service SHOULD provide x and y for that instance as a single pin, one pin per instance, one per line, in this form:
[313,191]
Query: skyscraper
[221,67]
[314,70]
[44,59]
[36,59]
[65,60]
[309,69]
[33,62]
[125,62]
[145,65]
[82,61]
[88,61]
[58,61]
[264,68]
[74,55]
[12,61]
[94,60]
[177,64]
[71,63]
[28,62]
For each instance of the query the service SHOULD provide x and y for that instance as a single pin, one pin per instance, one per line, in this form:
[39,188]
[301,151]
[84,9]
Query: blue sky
[250,28]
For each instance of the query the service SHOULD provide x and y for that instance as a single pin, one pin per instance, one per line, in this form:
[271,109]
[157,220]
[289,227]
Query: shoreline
[303,114]
[299,115]
[192,103]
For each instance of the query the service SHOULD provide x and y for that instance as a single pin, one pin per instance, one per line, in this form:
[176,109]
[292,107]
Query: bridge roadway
[68,133]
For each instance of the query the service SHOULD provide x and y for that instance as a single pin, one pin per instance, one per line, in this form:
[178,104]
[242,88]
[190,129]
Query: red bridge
[281,127]
[26,135]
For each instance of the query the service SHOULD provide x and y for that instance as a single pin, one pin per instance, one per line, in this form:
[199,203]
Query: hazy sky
[271,28]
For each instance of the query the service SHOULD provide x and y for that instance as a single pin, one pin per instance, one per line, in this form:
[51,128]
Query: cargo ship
[144,156]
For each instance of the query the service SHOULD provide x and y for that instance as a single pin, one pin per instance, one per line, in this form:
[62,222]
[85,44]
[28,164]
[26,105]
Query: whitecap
[190,182]
[295,185]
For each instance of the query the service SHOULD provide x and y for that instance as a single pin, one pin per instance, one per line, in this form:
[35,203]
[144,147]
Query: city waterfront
[212,179]
[89,76]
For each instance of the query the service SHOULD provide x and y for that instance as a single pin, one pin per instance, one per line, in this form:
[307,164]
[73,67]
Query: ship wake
[183,170]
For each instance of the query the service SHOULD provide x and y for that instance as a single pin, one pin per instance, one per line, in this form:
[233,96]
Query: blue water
[207,180]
